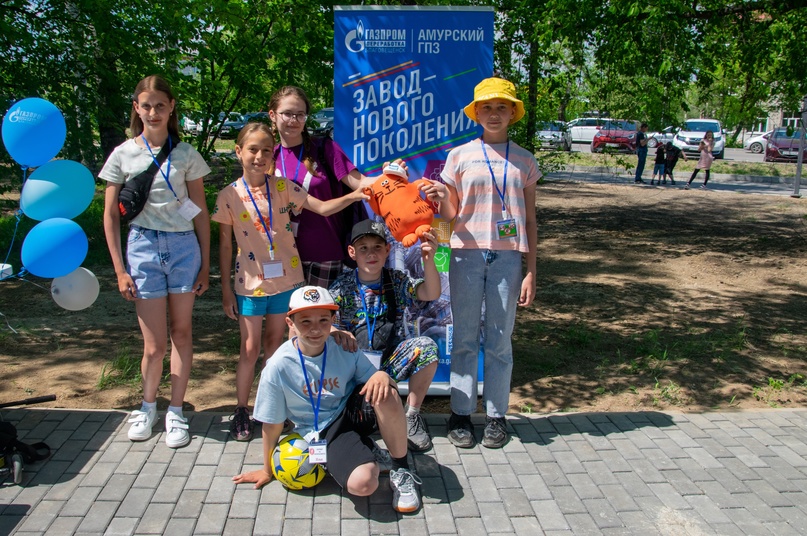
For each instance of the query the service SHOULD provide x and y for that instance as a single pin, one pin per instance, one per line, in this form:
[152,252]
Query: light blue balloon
[54,248]
[33,131]
[59,189]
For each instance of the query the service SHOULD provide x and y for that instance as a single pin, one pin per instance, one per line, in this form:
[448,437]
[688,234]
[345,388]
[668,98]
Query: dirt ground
[647,298]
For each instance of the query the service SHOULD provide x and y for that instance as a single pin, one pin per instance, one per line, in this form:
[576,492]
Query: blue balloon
[54,248]
[59,189]
[33,131]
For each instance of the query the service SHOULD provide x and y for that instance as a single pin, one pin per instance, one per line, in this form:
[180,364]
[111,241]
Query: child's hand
[398,161]
[346,340]
[358,195]
[435,191]
[527,290]
[126,286]
[428,247]
[230,305]
[377,388]
[259,477]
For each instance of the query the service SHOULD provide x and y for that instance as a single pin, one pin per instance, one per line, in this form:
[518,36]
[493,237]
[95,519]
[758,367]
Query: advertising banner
[402,75]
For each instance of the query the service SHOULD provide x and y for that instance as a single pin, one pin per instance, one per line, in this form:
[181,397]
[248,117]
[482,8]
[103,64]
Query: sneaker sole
[144,437]
[178,444]
[492,445]
[414,447]
[463,444]
[406,509]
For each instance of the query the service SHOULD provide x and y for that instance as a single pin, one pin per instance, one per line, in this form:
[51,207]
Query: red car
[783,147]
[616,136]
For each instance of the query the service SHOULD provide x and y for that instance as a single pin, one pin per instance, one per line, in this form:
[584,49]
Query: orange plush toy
[398,201]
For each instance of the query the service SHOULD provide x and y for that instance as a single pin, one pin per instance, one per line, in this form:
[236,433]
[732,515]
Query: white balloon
[76,290]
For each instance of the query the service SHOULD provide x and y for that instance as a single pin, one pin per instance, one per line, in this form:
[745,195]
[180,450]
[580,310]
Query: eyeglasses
[288,116]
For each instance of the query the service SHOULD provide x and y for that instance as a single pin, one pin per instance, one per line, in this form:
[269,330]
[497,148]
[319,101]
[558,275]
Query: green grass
[124,369]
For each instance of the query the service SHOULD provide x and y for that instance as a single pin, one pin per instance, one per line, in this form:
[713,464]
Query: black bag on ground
[135,192]
[9,444]
[348,216]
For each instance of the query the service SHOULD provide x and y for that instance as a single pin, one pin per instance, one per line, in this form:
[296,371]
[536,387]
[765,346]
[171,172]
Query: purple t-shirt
[318,238]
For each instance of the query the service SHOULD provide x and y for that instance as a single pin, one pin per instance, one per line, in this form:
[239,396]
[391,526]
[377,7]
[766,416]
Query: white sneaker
[176,430]
[405,496]
[141,424]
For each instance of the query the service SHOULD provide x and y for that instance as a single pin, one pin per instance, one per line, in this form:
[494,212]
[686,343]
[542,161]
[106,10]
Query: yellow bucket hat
[495,88]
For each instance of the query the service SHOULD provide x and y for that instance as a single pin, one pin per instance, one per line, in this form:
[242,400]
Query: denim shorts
[162,262]
[264,305]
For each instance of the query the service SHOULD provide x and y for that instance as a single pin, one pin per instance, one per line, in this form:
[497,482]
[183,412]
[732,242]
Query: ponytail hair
[153,83]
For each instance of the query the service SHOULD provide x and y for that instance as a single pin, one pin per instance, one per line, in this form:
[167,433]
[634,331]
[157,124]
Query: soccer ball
[290,464]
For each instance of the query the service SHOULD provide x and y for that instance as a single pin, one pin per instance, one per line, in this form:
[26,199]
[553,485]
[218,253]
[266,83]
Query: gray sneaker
[383,459]
[419,439]
[461,431]
[405,496]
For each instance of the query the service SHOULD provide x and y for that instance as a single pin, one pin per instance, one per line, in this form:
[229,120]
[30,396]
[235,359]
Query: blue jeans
[492,278]
[162,262]
[641,152]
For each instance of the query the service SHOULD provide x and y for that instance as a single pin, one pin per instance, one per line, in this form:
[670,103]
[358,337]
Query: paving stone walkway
[640,473]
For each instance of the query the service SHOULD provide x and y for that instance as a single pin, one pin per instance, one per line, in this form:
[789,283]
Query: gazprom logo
[375,39]
[18,115]
[354,40]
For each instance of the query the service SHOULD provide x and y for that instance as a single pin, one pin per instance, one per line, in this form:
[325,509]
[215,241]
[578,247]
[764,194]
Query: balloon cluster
[34,132]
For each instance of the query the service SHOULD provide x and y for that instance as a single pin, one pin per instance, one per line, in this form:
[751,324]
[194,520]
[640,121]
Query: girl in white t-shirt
[256,209]
[167,253]
[489,191]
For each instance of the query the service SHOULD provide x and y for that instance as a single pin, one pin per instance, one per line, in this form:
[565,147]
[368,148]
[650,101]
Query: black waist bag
[135,192]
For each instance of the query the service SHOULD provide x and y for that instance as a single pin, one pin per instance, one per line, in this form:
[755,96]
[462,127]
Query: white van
[583,129]
[688,138]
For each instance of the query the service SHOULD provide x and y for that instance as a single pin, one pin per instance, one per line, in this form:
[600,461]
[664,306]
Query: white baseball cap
[311,297]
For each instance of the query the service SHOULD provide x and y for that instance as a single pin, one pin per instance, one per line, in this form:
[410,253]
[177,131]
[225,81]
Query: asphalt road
[736,155]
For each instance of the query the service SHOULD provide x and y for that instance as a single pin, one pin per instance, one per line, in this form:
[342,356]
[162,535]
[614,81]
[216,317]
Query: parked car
[263,117]
[583,129]
[187,124]
[617,136]
[757,144]
[554,135]
[784,147]
[688,138]
[321,122]
[662,137]
[231,125]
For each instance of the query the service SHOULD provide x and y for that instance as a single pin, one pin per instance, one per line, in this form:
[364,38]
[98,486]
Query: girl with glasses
[306,161]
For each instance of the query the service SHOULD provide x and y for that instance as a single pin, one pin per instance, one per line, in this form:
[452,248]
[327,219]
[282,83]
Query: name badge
[272,269]
[318,451]
[507,228]
[188,210]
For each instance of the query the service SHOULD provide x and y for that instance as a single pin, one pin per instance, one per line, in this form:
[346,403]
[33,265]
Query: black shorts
[349,443]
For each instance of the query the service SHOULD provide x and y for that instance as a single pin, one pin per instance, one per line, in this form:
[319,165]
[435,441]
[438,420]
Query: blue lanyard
[158,164]
[376,309]
[263,222]
[297,169]
[503,191]
[308,385]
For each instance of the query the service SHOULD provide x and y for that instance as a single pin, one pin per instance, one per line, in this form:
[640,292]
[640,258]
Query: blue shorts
[162,262]
[658,169]
[264,305]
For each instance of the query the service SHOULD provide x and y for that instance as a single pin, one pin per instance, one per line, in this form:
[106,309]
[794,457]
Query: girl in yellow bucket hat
[488,188]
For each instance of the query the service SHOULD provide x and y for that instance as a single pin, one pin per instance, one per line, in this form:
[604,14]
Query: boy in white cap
[336,398]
